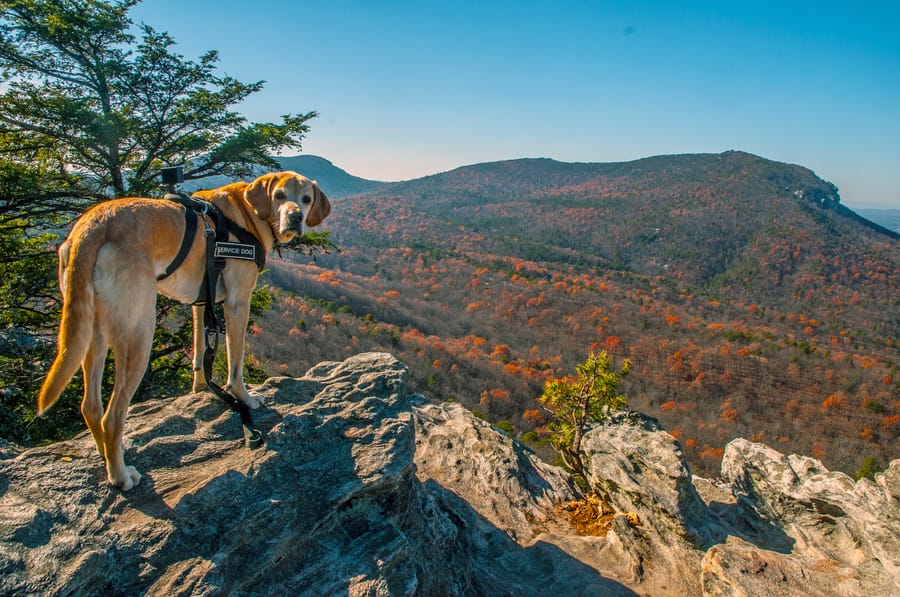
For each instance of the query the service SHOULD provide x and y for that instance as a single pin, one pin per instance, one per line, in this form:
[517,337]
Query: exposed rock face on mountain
[365,489]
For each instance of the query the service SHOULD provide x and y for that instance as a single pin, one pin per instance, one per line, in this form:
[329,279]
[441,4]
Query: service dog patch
[227,250]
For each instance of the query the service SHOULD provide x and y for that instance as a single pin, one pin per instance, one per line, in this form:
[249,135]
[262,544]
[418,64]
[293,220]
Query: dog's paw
[246,397]
[253,401]
[130,479]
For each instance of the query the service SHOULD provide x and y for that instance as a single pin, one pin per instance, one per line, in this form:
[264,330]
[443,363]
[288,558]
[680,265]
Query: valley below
[749,300]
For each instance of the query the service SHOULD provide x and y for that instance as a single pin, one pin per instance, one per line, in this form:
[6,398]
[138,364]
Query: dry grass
[589,517]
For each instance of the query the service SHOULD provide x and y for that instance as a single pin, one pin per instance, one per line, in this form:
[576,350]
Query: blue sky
[406,89]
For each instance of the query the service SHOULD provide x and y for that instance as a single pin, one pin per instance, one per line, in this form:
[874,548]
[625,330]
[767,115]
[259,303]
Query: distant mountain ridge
[645,216]
[338,183]
[334,182]
[549,173]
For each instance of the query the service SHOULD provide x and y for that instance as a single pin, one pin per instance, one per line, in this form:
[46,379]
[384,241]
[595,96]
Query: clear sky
[404,89]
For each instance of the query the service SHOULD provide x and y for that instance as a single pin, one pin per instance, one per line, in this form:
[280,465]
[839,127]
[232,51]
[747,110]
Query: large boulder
[773,525]
[331,505]
[639,467]
[640,470]
[806,525]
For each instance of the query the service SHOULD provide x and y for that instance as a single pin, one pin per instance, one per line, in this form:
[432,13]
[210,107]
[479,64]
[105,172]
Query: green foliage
[169,373]
[83,88]
[261,299]
[573,402]
[255,371]
[89,110]
[33,204]
[506,427]
[27,275]
[874,406]
[533,439]
[312,242]
[433,383]
[870,467]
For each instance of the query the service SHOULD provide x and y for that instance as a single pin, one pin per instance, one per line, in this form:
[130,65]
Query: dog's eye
[279,194]
[306,199]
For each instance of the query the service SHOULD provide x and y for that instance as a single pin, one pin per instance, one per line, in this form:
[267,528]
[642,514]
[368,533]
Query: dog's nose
[295,219]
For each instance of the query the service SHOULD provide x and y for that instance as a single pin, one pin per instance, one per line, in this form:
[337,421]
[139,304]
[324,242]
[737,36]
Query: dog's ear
[258,195]
[320,209]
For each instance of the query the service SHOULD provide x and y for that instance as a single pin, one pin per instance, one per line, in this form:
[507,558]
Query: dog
[109,270]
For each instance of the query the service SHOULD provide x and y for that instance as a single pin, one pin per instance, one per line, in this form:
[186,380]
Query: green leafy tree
[115,109]
[92,108]
[29,302]
[573,402]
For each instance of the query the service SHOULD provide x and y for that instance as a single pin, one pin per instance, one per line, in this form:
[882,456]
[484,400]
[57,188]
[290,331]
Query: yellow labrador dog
[108,273]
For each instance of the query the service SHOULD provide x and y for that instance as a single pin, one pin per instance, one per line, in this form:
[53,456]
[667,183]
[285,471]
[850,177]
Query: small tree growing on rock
[573,402]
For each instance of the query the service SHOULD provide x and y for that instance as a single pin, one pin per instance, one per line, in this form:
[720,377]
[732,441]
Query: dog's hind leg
[127,302]
[132,353]
[92,403]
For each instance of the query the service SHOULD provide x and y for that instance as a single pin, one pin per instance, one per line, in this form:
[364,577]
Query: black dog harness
[218,249]
[249,246]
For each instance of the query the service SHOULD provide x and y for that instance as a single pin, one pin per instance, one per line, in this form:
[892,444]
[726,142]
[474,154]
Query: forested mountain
[750,301]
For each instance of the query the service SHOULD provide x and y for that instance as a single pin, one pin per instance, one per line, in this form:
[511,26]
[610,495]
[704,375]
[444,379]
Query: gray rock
[639,467]
[365,489]
[331,506]
[842,535]
[774,525]
[498,477]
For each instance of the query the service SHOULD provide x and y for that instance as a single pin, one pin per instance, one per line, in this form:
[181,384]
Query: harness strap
[214,266]
[212,329]
[245,236]
[189,231]
[193,207]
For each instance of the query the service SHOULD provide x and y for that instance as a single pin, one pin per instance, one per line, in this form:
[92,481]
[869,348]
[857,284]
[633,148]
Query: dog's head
[288,201]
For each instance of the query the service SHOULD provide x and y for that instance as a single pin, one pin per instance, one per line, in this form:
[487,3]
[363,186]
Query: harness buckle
[211,335]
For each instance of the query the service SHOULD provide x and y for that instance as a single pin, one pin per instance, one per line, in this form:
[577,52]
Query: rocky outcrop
[811,527]
[365,489]
[639,468]
[773,525]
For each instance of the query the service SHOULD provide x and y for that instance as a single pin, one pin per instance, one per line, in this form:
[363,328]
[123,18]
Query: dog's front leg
[199,348]
[237,315]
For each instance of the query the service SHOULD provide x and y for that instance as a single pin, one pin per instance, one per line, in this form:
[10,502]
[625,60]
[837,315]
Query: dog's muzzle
[295,221]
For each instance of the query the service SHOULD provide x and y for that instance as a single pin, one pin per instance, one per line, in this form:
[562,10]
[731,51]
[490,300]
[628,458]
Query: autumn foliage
[745,309]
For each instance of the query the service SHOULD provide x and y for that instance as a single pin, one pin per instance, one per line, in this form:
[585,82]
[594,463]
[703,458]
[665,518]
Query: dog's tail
[76,271]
